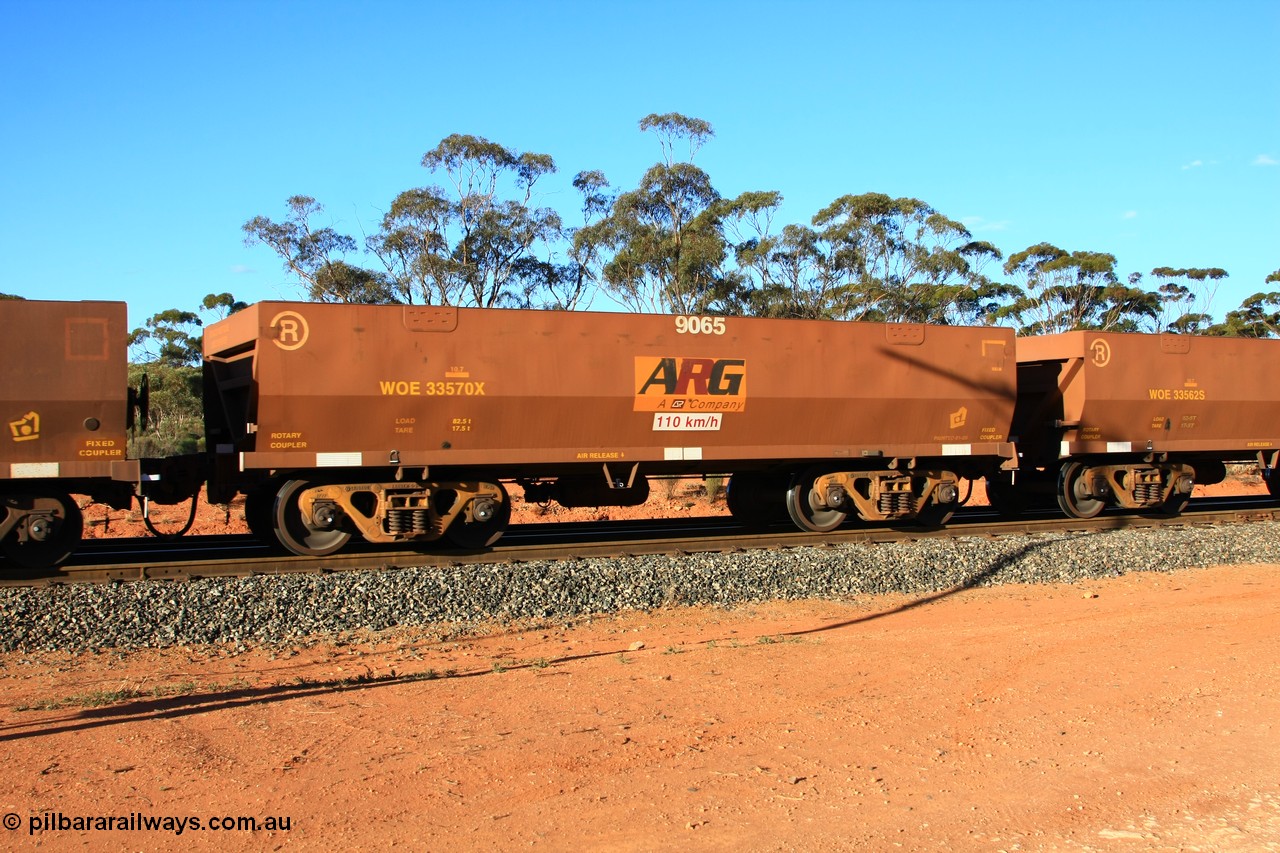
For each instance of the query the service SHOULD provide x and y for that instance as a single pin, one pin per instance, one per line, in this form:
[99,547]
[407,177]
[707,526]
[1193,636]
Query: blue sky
[137,138]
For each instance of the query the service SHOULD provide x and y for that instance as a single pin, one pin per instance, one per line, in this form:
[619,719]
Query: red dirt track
[1137,713]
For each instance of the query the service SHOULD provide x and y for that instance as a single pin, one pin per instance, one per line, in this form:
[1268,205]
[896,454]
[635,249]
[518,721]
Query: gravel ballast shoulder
[282,608]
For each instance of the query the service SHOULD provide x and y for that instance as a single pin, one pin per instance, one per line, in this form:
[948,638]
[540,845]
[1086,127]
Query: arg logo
[690,384]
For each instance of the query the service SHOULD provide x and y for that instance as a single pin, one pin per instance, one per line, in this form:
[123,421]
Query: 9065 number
[699,325]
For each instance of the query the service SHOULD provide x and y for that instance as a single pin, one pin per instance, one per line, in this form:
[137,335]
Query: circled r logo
[1101,352]
[291,330]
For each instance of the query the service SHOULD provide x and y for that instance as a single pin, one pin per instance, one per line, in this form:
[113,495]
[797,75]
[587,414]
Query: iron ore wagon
[66,408]
[1133,420]
[399,423]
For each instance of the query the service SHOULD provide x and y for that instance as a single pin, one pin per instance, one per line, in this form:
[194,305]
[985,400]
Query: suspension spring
[1147,493]
[895,504]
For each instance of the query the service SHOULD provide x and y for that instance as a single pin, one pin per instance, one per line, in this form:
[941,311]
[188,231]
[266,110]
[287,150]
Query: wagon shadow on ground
[975,580]
[190,704]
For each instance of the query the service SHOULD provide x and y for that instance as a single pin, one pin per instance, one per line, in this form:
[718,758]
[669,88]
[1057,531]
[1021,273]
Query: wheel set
[315,519]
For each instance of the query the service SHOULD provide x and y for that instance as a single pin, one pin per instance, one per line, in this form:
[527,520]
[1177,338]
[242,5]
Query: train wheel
[1273,482]
[756,500]
[806,514]
[1073,492]
[51,539]
[301,535]
[489,523]
[1180,495]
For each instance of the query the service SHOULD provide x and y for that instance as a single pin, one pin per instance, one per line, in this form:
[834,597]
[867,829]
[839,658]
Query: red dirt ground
[1137,713]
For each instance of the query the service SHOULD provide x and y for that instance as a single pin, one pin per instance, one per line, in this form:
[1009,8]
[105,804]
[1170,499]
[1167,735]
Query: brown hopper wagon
[404,422]
[64,413]
[1137,420]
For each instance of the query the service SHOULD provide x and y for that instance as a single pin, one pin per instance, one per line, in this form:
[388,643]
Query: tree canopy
[172,337]
[480,232]
[476,239]
[315,255]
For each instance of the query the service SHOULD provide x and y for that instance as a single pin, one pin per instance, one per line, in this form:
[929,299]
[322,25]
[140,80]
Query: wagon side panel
[339,385]
[64,398]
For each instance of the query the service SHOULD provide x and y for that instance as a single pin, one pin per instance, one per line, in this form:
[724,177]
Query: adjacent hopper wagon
[65,407]
[1137,420]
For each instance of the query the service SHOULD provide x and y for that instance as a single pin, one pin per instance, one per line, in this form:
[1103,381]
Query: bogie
[40,528]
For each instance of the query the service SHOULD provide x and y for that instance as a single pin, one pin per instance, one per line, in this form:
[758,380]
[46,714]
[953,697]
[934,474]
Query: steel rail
[106,560]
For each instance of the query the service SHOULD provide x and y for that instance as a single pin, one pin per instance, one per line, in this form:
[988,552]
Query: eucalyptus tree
[1185,297]
[572,284]
[1257,317]
[671,129]
[315,255]
[171,338]
[165,355]
[790,274]
[222,305]
[880,258]
[1063,291]
[663,245]
[479,240]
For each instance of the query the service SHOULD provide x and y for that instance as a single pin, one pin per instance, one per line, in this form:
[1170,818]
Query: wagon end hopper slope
[1137,420]
[64,404]
[532,391]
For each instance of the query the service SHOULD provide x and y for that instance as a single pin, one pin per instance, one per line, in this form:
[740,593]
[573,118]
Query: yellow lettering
[414,388]
[1177,394]
[399,388]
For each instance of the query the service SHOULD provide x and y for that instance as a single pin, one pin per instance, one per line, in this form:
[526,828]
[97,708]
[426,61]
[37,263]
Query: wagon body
[64,394]
[1137,420]
[64,404]
[1107,393]
[314,386]
[403,422]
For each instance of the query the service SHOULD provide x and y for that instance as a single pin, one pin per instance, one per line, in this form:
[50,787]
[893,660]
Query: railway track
[126,559]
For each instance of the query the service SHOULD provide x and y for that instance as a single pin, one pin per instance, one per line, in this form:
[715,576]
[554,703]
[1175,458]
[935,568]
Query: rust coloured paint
[1100,393]
[64,394]
[303,385]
